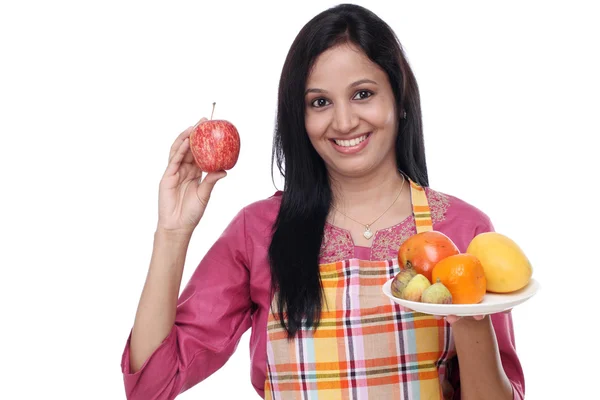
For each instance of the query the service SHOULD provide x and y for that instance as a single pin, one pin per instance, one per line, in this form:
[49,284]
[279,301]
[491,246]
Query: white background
[92,94]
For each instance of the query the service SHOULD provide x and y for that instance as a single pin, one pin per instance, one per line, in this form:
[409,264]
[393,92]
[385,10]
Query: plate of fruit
[492,276]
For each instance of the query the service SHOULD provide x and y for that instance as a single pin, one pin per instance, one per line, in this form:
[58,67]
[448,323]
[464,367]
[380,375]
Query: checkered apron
[366,346]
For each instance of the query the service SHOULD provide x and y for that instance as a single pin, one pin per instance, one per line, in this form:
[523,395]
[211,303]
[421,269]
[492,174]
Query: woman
[349,143]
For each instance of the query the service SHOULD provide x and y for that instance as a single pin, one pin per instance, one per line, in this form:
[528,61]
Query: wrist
[177,235]
[470,327]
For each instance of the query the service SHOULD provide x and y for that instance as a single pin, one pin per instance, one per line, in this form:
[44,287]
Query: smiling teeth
[350,143]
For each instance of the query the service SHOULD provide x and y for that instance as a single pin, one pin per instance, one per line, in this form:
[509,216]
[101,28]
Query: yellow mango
[506,266]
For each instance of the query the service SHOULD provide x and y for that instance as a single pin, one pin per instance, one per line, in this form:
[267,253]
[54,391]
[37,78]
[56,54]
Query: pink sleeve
[503,327]
[213,312]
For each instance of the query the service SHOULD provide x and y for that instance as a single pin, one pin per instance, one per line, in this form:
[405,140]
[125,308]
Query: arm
[212,313]
[156,311]
[488,365]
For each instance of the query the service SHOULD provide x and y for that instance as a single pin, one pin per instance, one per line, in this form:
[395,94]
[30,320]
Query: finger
[478,317]
[186,133]
[189,158]
[201,121]
[208,183]
[177,143]
[177,158]
[452,319]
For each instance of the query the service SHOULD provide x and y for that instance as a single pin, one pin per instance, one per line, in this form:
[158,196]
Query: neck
[374,191]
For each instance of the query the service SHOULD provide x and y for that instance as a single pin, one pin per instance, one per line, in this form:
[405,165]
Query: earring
[404,115]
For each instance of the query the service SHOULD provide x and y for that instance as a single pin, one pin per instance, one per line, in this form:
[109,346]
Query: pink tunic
[236,271]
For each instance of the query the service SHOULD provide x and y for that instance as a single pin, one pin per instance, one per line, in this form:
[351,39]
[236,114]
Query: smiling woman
[304,268]
[355,119]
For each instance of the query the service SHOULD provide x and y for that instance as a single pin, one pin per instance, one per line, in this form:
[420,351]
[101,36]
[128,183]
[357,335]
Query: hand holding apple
[184,191]
[215,145]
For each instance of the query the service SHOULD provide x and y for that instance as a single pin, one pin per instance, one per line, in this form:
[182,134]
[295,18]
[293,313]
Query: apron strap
[421,210]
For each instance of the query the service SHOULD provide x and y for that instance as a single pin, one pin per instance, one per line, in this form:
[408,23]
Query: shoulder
[270,203]
[265,209]
[444,205]
[251,226]
[456,217]
[259,216]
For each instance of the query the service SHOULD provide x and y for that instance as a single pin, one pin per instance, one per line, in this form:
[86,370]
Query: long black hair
[298,229]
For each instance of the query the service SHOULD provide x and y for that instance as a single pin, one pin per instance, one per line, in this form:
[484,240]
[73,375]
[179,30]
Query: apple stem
[213,110]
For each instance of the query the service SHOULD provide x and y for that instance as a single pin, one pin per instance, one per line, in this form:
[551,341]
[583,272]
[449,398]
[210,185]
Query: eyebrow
[354,84]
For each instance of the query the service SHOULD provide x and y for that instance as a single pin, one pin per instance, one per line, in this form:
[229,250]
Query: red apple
[215,145]
[424,250]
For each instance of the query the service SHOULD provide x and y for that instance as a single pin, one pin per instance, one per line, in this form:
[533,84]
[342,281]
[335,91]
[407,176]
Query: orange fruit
[464,277]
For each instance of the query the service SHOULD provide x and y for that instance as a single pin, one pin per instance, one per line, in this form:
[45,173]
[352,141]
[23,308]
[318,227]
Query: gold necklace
[367,233]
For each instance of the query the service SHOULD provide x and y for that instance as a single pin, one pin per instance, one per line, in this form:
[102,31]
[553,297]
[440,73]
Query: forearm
[157,307]
[481,373]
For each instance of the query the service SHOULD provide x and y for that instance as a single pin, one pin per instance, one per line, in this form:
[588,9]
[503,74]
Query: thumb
[208,183]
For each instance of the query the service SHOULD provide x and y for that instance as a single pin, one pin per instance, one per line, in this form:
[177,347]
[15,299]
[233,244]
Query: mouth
[351,146]
[351,142]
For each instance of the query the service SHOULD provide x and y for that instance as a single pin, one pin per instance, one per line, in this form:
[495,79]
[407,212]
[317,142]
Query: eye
[363,94]
[320,102]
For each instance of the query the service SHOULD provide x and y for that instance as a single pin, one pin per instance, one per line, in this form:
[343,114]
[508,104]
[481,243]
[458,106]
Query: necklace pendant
[367,233]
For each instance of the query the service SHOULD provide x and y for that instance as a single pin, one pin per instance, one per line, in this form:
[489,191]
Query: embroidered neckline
[376,234]
[338,243]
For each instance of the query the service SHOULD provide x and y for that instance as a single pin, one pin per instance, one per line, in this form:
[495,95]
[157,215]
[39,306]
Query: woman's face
[350,112]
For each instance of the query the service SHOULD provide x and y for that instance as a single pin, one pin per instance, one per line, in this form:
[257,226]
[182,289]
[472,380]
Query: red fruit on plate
[424,250]
[215,145]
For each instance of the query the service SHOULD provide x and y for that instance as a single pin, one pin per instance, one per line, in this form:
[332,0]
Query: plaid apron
[366,346]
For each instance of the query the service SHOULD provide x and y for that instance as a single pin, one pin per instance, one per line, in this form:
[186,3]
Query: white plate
[492,302]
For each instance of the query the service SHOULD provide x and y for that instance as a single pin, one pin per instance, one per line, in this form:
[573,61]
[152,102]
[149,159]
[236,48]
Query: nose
[344,119]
